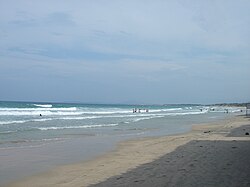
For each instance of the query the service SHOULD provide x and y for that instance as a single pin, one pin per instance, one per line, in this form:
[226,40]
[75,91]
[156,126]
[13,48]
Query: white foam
[186,113]
[80,118]
[24,121]
[10,122]
[7,132]
[70,115]
[146,118]
[47,119]
[108,112]
[164,110]
[39,109]
[77,127]
[40,120]
[57,118]
[168,114]
[44,106]
[38,112]
[48,139]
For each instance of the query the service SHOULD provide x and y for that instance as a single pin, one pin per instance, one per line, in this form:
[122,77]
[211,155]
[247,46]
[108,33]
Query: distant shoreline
[135,104]
[231,104]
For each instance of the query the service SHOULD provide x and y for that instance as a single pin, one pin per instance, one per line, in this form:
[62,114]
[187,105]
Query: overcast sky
[125,51]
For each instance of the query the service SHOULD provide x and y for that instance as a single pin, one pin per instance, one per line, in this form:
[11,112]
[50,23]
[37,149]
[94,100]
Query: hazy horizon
[103,103]
[125,52]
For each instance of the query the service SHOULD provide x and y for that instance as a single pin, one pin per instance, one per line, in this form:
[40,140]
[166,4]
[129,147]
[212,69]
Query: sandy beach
[215,154]
[108,93]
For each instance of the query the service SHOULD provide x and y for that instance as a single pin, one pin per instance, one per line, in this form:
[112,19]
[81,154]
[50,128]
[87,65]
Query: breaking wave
[77,127]
[44,106]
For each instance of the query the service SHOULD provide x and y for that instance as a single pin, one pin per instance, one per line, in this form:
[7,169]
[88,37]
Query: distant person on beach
[40,115]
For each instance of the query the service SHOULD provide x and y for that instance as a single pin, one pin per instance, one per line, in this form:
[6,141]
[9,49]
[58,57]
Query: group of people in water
[139,110]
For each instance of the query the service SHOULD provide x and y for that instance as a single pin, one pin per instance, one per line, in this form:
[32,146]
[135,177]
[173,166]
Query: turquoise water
[27,123]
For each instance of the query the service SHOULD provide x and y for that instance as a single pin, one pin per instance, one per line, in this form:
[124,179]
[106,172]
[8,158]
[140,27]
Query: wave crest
[77,127]
[43,106]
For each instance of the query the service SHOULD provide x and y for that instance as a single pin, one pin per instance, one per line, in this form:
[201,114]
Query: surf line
[139,110]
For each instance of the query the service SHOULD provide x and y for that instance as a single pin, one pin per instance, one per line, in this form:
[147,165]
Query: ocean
[35,137]
[32,123]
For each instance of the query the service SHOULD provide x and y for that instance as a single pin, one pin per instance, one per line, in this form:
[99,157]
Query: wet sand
[215,154]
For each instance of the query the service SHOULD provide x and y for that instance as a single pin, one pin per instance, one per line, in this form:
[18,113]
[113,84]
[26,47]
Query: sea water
[26,123]
[35,137]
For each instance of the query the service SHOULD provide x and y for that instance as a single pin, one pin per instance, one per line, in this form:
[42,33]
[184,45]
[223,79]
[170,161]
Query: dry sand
[213,155]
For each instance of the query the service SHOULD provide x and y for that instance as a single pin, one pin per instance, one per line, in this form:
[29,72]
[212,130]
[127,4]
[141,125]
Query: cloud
[168,42]
[149,66]
[60,18]
[160,28]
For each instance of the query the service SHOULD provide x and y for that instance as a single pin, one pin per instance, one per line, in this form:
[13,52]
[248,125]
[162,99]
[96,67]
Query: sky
[125,51]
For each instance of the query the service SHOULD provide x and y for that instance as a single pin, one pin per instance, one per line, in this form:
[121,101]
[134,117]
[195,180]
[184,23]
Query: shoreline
[132,154]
